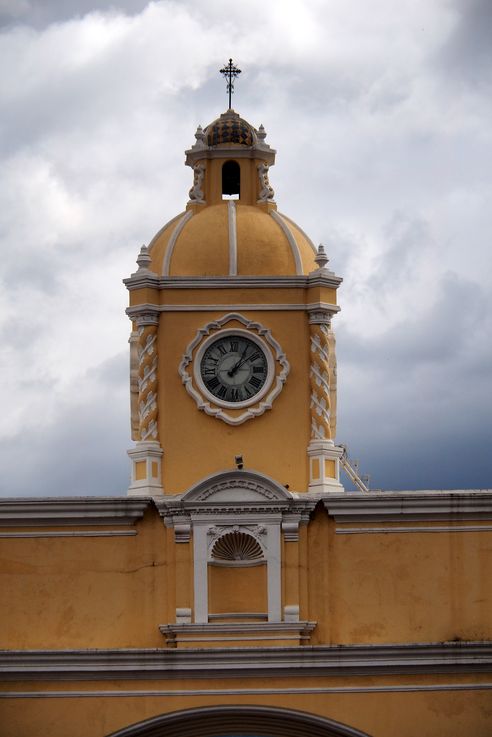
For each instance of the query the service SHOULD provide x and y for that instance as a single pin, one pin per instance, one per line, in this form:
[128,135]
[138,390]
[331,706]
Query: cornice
[320,278]
[172,664]
[403,506]
[47,511]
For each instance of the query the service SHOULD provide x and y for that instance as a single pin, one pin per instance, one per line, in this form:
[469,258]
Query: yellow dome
[231,239]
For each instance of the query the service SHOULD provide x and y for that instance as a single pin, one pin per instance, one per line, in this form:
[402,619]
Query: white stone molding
[278,370]
[291,613]
[134,416]
[462,657]
[290,238]
[183,615]
[236,545]
[266,193]
[66,511]
[244,502]
[290,530]
[132,312]
[318,278]
[319,381]
[459,505]
[172,241]
[146,469]
[147,376]
[232,230]
[322,454]
[196,191]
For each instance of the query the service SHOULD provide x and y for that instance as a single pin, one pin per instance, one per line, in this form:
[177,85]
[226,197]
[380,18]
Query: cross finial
[230,72]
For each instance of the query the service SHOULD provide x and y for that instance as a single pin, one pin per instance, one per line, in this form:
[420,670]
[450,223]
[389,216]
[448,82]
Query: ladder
[351,468]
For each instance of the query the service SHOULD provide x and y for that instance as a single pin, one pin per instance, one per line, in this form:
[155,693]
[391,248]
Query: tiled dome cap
[230,128]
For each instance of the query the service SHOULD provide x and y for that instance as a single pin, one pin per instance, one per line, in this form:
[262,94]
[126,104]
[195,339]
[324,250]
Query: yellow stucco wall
[408,587]
[79,592]
[430,713]
[197,445]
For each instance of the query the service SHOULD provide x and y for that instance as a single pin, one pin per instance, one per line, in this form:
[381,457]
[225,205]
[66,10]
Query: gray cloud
[381,156]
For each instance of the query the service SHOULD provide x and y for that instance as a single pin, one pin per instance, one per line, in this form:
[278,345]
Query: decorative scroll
[319,376]
[147,381]
[332,380]
[196,192]
[266,190]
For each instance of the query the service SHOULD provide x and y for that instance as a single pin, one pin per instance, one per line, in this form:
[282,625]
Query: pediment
[237,486]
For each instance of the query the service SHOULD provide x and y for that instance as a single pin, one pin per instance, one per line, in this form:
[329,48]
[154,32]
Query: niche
[231,180]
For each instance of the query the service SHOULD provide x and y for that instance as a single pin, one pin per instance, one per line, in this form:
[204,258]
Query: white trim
[411,688]
[200,572]
[291,240]
[316,278]
[397,530]
[172,241]
[289,220]
[320,661]
[81,533]
[214,410]
[231,217]
[136,310]
[63,511]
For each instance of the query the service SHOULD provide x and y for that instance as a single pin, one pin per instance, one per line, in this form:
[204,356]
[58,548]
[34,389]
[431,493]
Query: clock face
[234,368]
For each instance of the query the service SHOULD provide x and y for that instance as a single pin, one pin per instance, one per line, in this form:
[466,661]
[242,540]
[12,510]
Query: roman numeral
[234,395]
[222,391]
[258,369]
[212,383]
[221,350]
[209,372]
[234,346]
[254,356]
[255,381]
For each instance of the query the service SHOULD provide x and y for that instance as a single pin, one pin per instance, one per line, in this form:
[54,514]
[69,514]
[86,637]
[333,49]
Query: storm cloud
[381,119]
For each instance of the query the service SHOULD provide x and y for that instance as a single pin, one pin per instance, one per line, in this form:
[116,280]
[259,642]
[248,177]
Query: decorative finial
[230,73]
[199,135]
[261,133]
[144,260]
[321,257]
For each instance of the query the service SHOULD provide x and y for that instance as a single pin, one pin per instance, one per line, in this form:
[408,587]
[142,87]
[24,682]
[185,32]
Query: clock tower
[233,394]
[232,350]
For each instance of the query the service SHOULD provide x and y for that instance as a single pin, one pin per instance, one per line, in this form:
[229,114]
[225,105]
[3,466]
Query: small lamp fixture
[239,462]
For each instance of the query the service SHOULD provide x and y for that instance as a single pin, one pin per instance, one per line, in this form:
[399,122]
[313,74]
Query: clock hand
[234,369]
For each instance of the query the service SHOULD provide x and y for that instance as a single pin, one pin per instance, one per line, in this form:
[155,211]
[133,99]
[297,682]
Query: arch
[222,721]
[231,178]
[238,485]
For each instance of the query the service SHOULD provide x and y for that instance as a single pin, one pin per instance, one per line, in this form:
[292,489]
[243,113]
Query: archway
[238,721]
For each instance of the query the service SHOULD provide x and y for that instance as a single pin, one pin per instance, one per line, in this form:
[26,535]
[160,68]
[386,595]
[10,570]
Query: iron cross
[230,72]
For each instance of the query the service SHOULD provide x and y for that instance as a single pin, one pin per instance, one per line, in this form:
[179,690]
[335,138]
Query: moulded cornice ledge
[37,512]
[137,281]
[402,506]
[141,280]
[169,663]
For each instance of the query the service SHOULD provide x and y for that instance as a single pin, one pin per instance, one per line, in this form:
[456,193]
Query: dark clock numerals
[234,368]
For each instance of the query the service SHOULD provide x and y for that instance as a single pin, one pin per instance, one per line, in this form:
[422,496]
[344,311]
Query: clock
[234,368]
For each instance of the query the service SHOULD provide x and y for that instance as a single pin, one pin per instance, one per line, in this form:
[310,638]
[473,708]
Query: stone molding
[241,632]
[278,371]
[52,511]
[263,721]
[325,307]
[318,660]
[316,279]
[404,506]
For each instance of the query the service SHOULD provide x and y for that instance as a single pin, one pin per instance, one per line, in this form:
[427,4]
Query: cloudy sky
[381,114]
